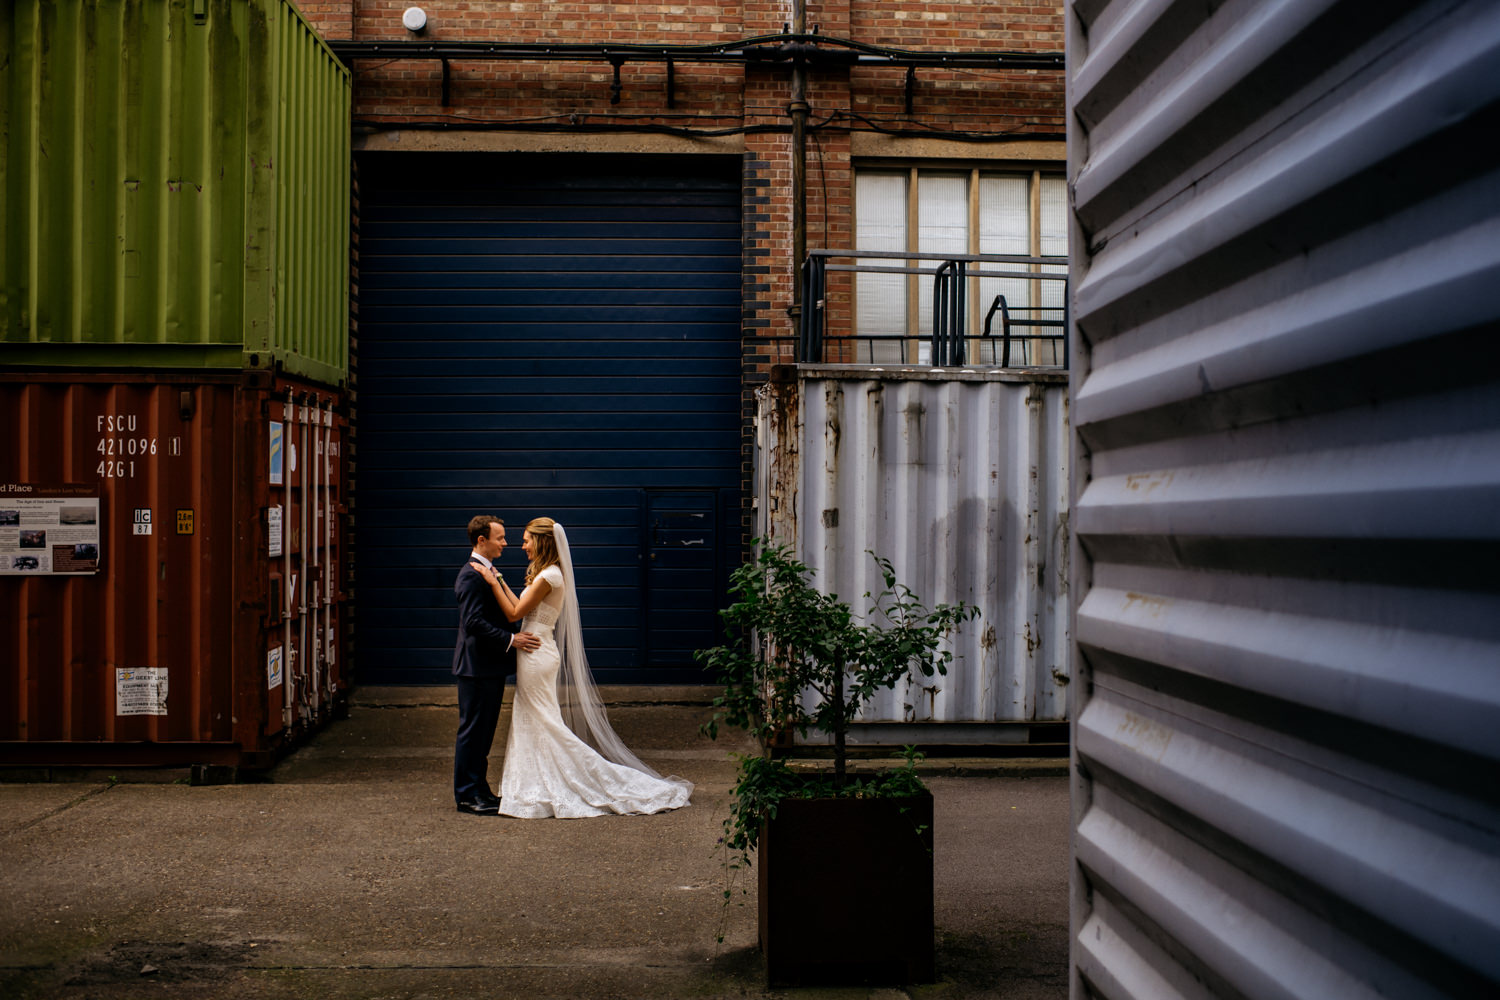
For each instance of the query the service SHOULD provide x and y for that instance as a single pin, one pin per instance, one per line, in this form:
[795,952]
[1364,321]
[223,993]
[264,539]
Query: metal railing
[1029,335]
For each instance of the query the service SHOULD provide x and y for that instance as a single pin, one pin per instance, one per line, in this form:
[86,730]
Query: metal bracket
[671,83]
[614,88]
[911,87]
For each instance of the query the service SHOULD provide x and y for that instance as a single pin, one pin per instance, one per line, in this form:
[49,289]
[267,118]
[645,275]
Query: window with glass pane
[942,227]
[1016,212]
[880,299]
[1004,227]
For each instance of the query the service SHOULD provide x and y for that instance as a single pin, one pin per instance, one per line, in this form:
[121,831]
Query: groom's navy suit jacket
[481,659]
[484,635]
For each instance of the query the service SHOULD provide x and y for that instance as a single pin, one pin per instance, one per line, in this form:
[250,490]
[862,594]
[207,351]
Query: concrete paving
[347,873]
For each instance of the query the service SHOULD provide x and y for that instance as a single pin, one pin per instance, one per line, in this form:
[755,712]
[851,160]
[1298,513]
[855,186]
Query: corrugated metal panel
[186,582]
[960,479]
[549,335]
[174,188]
[1287,249]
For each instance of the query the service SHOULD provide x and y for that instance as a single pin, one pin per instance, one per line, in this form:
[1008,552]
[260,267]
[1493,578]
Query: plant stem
[839,724]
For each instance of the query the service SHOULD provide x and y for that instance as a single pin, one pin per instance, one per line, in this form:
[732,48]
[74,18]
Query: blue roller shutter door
[547,335]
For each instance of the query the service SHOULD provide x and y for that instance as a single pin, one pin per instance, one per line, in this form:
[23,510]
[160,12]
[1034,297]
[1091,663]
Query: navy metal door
[545,335]
[685,555]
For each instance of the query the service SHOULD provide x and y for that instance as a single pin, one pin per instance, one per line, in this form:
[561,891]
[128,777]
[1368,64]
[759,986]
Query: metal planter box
[822,918]
[959,477]
[175,186]
[172,567]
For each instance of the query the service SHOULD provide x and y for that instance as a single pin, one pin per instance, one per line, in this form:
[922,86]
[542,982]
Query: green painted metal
[175,187]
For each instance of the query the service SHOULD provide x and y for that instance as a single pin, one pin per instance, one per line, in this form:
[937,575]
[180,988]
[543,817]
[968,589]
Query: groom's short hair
[479,527]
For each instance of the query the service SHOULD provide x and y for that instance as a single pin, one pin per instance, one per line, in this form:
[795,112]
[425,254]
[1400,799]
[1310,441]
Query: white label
[142,523]
[328,645]
[273,668]
[140,690]
[273,530]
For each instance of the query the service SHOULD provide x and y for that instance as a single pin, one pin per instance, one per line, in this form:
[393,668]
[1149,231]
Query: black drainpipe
[798,109]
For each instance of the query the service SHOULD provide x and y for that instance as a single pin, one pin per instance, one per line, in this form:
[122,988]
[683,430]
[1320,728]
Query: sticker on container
[141,525]
[140,690]
[184,520]
[328,645]
[273,668]
[273,530]
[276,453]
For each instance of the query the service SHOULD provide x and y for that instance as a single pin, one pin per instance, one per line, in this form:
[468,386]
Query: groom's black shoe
[479,807]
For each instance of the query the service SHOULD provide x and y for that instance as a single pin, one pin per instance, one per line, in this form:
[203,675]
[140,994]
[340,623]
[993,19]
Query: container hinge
[200,11]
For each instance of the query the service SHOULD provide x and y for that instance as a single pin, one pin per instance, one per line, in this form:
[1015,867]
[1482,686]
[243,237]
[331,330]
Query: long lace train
[551,770]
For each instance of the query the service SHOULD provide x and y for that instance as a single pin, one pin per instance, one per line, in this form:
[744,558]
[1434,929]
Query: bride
[562,758]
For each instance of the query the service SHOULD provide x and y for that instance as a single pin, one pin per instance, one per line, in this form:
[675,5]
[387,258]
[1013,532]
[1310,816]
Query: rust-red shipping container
[171,567]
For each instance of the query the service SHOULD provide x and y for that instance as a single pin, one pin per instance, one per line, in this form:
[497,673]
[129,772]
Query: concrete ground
[348,873]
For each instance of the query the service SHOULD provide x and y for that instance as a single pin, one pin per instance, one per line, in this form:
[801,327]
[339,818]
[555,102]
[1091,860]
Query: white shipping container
[959,478]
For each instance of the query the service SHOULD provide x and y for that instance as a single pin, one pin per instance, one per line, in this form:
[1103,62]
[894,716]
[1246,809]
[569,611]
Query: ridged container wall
[175,188]
[1286,268]
[217,587]
[959,478]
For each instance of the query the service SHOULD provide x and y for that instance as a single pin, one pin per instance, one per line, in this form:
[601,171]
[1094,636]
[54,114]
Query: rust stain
[1146,482]
[1150,604]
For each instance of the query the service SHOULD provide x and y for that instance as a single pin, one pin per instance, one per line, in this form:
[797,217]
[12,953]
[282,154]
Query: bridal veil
[582,709]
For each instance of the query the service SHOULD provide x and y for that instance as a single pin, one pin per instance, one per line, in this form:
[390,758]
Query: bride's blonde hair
[544,547]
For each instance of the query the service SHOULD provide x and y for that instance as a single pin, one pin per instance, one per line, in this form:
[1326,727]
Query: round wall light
[415,19]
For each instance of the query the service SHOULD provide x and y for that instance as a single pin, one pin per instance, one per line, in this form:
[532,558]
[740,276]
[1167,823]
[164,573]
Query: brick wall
[574,99]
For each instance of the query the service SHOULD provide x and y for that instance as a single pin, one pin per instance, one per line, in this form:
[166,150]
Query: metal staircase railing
[957,335]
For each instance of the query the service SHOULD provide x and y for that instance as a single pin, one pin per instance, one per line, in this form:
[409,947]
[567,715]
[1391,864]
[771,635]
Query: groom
[484,654]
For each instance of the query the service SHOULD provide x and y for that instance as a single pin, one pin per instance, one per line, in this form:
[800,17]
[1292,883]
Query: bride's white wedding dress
[576,767]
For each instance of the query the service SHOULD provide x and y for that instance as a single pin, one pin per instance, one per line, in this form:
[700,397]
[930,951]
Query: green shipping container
[175,188]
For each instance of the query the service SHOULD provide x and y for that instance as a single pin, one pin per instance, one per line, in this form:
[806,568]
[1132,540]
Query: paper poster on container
[277,456]
[140,690]
[273,668]
[49,529]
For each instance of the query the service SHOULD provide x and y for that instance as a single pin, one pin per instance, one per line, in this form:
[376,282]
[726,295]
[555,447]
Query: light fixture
[415,19]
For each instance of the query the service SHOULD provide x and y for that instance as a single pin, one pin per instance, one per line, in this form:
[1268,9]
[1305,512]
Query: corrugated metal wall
[175,188]
[1287,476]
[960,479]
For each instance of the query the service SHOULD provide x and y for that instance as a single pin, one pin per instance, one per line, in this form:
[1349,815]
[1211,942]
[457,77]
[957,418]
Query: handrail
[953,276]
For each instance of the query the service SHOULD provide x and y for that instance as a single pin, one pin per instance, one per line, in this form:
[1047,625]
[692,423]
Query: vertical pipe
[798,109]
[289,680]
[315,459]
[303,560]
[327,541]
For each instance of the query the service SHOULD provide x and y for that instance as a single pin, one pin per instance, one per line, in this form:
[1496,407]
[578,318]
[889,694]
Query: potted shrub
[844,861]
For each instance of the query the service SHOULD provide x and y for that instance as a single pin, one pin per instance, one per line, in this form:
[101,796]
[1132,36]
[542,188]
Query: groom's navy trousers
[481,659]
